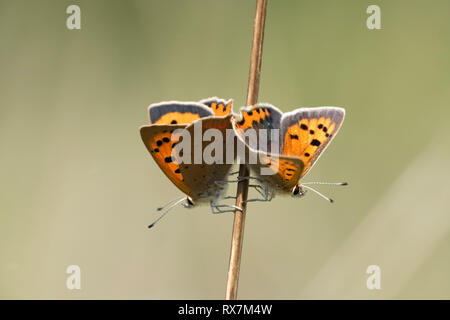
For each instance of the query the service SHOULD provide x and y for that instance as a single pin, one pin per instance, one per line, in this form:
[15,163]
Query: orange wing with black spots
[165,117]
[260,116]
[306,132]
[198,181]
[280,171]
[160,140]
[174,112]
[220,107]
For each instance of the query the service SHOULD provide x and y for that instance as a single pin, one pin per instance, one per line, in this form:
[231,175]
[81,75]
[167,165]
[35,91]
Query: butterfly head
[298,191]
[189,203]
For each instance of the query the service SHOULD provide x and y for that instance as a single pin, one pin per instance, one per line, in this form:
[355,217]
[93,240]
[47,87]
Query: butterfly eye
[298,191]
[189,202]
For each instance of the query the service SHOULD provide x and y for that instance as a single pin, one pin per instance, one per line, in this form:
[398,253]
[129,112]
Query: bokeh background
[79,187]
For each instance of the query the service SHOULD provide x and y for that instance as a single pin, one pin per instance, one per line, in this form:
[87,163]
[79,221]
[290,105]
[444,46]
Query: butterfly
[200,182]
[293,143]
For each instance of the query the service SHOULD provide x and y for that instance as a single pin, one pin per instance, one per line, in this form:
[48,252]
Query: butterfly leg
[258,189]
[222,208]
[266,193]
[219,208]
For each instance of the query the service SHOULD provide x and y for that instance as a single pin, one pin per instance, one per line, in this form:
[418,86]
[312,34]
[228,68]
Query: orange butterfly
[295,141]
[199,182]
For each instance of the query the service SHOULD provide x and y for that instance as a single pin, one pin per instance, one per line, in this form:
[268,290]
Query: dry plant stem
[242,188]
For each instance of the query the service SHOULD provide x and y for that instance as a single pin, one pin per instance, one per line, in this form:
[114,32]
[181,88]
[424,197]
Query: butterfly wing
[254,118]
[175,112]
[205,180]
[260,116]
[196,180]
[165,117]
[220,107]
[306,132]
[159,140]
[279,171]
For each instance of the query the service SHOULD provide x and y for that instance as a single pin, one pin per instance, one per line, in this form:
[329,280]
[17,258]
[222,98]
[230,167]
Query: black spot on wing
[315,142]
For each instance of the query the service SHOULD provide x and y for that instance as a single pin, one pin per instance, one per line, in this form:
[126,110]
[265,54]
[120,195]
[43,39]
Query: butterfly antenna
[168,203]
[167,210]
[314,190]
[328,183]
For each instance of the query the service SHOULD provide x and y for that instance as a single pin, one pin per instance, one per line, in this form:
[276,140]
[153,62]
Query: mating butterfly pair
[303,134]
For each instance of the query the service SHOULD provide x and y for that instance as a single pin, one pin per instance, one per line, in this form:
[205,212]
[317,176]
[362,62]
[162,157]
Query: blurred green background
[79,187]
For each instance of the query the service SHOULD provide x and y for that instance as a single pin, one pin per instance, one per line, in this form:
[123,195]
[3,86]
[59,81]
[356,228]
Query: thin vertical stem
[242,188]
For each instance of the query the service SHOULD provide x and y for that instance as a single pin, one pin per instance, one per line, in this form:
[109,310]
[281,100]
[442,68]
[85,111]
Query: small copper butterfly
[303,134]
[199,182]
